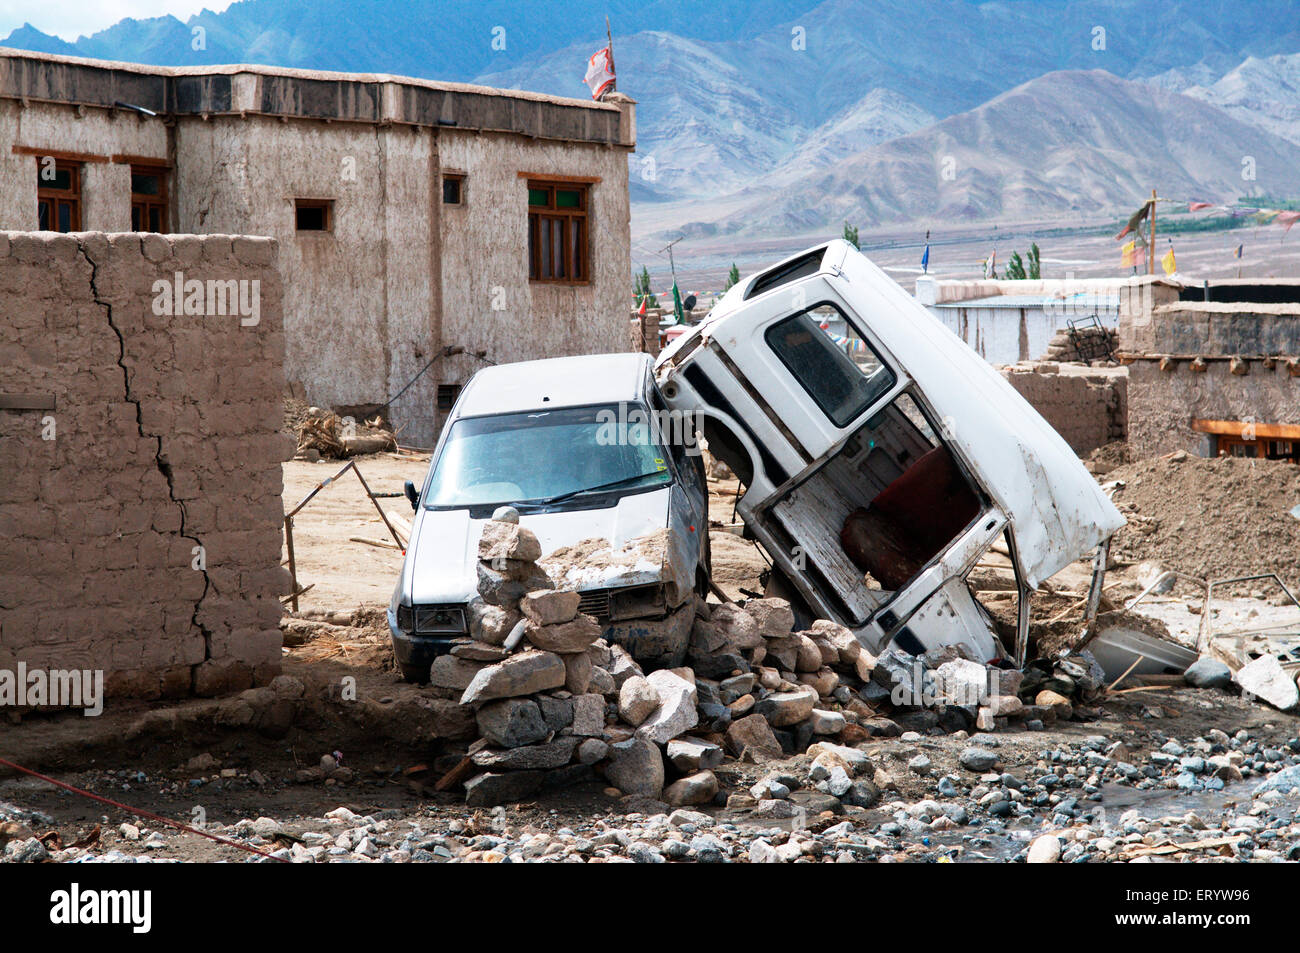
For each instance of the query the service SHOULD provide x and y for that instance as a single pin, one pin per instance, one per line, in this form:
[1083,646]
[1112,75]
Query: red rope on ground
[138,812]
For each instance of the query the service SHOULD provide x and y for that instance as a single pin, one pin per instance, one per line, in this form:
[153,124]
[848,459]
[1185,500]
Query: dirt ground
[346,575]
[205,760]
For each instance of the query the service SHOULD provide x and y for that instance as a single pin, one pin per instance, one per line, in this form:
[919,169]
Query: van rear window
[801,267]
[831,361]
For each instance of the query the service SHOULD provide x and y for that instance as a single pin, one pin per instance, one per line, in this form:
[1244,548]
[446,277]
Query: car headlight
[405,618]
[637,602]
[440,620]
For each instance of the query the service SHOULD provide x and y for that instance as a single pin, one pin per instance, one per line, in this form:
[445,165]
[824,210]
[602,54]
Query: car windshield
[541,456]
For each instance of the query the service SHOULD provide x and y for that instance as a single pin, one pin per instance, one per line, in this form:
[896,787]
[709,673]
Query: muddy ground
[225,763]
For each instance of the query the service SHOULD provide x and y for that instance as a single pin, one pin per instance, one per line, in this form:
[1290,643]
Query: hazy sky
[69,19]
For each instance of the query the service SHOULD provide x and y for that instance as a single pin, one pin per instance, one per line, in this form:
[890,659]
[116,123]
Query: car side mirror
[412,494]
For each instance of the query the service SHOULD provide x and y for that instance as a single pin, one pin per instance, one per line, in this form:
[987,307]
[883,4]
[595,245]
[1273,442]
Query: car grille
[594,602]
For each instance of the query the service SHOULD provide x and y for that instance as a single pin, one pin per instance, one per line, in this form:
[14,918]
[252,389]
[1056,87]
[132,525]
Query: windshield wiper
[593,489]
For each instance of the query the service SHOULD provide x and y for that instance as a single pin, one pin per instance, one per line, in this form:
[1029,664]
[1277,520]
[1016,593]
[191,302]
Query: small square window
[314,215]
[453,189]
[447,394]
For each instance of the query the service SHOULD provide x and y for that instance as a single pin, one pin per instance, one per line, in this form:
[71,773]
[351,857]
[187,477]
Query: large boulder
[698,788]
[508,541]
[1265,678]
[637,700]
[524,674]
[490,788]
[550,606]
[774,616]
[448,671]
[512,722]
[787,708]
[676,712]
[564,638]
[553,754]
[636,767]
[753,733]
[505,582]
[1208,672]
[689,755]
[735,626]
[489,623]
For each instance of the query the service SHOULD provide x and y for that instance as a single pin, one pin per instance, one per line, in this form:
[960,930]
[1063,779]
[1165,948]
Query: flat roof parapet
[376,98]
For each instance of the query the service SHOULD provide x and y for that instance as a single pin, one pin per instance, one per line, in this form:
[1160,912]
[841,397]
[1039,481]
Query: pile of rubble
[1082,344]
[322,433]
[554,703]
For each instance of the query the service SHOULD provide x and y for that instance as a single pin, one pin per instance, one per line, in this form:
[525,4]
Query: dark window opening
[447,394]
[58,196]
[802,267]
[314,215]
[453,189]
[557,233]
[148,199]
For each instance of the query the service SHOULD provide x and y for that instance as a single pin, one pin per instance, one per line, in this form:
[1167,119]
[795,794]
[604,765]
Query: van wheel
[415,674]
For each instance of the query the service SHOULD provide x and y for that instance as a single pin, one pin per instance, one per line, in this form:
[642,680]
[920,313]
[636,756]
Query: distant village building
[1008,321]
[1212,368]
[421,224]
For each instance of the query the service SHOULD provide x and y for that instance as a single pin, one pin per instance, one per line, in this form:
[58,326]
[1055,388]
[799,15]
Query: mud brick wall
[1166,399]
[165,436]
[1087,406]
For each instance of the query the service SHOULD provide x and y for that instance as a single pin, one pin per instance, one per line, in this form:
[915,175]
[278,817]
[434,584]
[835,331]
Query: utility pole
[677,301]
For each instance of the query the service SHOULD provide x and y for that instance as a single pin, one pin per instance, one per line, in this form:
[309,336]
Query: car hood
[441,563]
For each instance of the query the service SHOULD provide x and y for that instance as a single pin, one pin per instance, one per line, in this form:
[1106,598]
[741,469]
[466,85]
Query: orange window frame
[558,233]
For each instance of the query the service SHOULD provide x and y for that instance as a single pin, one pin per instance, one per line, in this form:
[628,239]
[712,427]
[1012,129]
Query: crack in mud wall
[140,519]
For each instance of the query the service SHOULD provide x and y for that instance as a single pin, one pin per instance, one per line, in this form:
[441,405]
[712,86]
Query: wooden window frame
[567,219]
[326,204]
[55,198]
[460,178]
[143,202]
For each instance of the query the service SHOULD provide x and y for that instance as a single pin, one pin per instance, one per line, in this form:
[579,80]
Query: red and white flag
[600,73]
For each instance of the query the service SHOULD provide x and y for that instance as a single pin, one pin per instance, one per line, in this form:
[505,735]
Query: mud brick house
[417,221]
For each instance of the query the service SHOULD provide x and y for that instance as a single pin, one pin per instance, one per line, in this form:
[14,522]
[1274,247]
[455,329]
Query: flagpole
[1151,249]
[609,36]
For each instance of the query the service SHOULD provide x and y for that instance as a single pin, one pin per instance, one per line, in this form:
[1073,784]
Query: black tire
[415,674]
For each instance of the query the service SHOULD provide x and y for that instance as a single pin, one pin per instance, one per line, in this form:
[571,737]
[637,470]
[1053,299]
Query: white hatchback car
[577,446]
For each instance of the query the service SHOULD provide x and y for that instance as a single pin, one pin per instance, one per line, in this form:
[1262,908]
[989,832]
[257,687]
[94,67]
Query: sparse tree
[851,235]
[1035,265]
[733,277]
[1015,270]
[641,288]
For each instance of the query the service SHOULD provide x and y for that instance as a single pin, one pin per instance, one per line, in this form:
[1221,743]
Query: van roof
[555,382]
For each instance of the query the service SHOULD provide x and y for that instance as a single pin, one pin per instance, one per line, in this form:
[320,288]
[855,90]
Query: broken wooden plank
[379,543]
[462,772]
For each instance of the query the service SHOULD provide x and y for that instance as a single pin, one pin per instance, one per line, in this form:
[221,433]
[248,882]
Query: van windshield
[545,455]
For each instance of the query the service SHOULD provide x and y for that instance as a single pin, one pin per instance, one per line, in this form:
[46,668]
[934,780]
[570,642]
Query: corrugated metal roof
[1098,301]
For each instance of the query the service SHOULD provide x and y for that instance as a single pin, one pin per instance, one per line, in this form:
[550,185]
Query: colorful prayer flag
[1129,254]
[1136,219]
[600,73]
